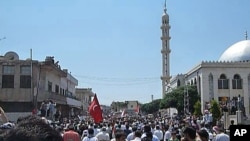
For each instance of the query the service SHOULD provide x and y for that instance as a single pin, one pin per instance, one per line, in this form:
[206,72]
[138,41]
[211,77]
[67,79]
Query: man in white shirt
[137,136]
[158,133]
[90,136]
[131,136]
[220,135]
[103,135]
[147,128]
[167,134]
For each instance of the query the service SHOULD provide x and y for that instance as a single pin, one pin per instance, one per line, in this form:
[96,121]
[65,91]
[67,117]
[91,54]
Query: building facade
[226,80]
[25,84]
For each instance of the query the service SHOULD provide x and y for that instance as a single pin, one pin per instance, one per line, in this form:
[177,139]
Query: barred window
[25,81]
[8,81]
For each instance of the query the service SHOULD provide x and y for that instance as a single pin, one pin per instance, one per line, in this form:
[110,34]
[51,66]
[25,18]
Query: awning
[73,102]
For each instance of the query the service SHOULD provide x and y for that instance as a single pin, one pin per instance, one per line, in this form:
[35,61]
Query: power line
[113,83]
[108,79]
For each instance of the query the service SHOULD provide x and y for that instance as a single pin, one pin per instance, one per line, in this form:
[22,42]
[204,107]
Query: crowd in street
[128,128]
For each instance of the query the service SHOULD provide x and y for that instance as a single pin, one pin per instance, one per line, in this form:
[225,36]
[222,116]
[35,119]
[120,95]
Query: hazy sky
[113,46]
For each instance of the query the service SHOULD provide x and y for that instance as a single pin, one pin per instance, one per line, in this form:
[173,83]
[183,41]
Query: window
[57,89]
[25,70]
[223,82]
[25,77]
[8,70]
[49,86]
[178,83]
[237,82]
[8,76]
[25,81]
[8,81]
[61,91]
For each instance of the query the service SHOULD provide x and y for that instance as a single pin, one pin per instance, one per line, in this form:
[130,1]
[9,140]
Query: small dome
[239,51]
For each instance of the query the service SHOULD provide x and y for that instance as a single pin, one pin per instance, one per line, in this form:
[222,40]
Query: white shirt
[167,135]
[136,139]
[90,139]
[159,134]
[102,136]
[221,137]
[130,136]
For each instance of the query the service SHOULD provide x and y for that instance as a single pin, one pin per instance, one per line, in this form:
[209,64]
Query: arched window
[237,82]
[223,82]
[178,83]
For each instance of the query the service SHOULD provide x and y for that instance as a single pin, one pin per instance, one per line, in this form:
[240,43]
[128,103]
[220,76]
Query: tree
[215,110]
[152,107]
[197,108]
[175,98]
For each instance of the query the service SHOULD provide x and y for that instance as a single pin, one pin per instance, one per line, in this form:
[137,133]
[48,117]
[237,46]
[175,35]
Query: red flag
[95,110]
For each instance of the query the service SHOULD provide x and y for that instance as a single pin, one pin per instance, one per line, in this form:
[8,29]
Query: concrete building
[24,84]
[85,95]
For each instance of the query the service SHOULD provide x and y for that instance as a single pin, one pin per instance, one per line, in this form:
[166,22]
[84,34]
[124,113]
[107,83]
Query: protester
[203,135]
[167,134]
[220,135]
[90,136]
[103,135]
[119,135]
[173,136]
[70,134]
[189,134]
[32,128]
[158,132]
[137,135]
[132,134]
[147,131]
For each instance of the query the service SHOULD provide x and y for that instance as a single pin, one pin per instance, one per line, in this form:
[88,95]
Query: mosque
[226,80]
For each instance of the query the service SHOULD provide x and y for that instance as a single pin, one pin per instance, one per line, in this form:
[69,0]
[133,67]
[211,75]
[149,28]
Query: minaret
[165,38]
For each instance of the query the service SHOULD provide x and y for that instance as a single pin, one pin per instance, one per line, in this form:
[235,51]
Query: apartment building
[25,84]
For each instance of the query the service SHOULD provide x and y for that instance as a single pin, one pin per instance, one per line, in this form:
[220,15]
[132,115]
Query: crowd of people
[129,128]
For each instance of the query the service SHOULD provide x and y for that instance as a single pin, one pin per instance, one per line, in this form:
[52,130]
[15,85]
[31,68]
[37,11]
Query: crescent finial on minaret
[165,6]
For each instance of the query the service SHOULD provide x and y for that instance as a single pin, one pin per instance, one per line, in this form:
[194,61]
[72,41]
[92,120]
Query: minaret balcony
[165,78]
[165,51]
[165,26]
[165,37]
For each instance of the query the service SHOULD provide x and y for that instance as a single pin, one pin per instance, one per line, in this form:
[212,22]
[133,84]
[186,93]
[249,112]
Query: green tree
[197,108]
[175,98]
[152,107]
[215,110]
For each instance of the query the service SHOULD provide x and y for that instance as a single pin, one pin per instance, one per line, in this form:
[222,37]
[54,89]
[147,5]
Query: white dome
[239,51]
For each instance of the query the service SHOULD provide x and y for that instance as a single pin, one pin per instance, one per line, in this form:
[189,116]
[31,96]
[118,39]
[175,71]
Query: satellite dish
[11,56]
